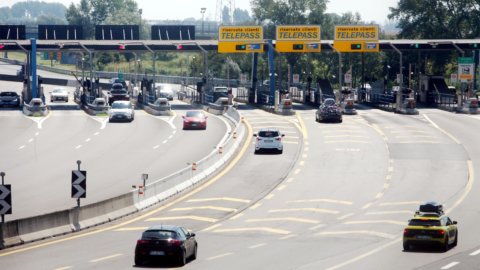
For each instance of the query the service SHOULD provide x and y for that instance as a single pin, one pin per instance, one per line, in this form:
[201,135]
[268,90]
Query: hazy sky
[370,10]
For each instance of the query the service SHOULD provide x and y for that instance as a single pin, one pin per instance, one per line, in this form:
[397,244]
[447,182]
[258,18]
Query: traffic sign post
[298,38]
[240,39]
[356,38]
[79,183]
[5,199]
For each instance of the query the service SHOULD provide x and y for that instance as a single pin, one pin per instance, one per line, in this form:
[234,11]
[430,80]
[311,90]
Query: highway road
[338,198]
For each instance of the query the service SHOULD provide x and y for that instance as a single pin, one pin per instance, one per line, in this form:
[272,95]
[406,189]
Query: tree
[240,16]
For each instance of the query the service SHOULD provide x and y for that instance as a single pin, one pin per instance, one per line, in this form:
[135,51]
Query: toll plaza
[291,39]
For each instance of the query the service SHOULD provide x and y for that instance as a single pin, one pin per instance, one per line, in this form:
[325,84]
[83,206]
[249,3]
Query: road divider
[30,229]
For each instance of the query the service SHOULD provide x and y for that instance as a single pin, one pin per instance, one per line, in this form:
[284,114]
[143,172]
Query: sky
[370,10]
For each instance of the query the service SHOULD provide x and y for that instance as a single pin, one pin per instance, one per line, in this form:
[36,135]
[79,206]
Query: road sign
[348,77]
[79,184]
[298,38]
[453,77]
[240,39]
[5,199]
[356,38]
[243,78]
[296,78]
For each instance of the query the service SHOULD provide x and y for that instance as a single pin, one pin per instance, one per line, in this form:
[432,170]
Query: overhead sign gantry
[356,38]
[240,39]
[298,38]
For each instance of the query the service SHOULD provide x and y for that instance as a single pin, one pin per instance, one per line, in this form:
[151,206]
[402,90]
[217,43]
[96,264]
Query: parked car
[329,110]
[164,91]
[167,242]
[121,110]
[195,120]
[219,92]
[59,94]
[269,139]
[118,92]
[9,98]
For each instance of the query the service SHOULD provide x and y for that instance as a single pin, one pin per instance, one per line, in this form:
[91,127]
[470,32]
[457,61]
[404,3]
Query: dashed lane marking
[475,253]
[389,212]
[316,210]
[257,246]
[207,207]
[322,200]
[292,219]
[450,265]
[21,147]
[63,268]
[78,146]
[347,141]
[317,227]
[127,229]
[394,222]
[282,187]
[345,216]
[372,233]
[219,256]
[400,203]
[196,218]
[255,229]
[219,199]
[106,258]
[269,196]
[288,236]
[212,227]
[368,205]
[255,206]
[237,216]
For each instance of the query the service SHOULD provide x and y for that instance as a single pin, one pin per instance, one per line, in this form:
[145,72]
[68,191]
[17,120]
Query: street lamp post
[202,10]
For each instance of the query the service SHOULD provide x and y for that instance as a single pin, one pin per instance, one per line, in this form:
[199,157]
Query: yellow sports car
[430,228]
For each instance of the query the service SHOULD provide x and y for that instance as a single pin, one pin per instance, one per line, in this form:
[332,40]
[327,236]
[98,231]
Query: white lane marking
[256,229]
[219,256]
[379,195]
[237,216]
[31,140]
[287,236]
[37,133]
[156,146]
[106,258]
[102,120]
[394,222]
[400,203]
[170,122]
[450,265]
[282,187]
[292,219]
[96,133]
[256,206]
[322,200]
[175,132]
[443,131]
[212,227]
[88,139]
[63,268]
[21,147]
[269,196]
[475,253]
[368,205]
[315,210]
[169,137]
[257,246]
[164,142]
[345,216]
[338,233]
[219,199]
[78,146]
[317,227]
[389,212]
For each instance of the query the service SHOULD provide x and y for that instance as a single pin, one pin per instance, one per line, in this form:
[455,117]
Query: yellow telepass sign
[356,38]
[240,39]
[298,38]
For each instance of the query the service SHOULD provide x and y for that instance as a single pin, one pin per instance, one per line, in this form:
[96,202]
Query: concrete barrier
[30,229]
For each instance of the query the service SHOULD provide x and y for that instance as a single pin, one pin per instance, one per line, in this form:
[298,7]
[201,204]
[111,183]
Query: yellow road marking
[106,258]
[468,187]
[206,219]
[347,141]
[379,195]
[303,129]
[208,207]
[300,220]
[257,246]
[402,223]
[131,229]
[316,210]
[237,216]
[361,232]
[346,136]
[322,200]
[215,179]
[344,132]
[255,229]
[400,203]
[368,205]
[220,199]
[212,227]
[413,142]
[302,163]
[64,268]
[269,196]
[391,212]
[256,206]
[288,236]
[282,187]
[345,216]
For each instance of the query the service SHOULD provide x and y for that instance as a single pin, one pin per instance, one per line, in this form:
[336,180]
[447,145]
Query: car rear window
[268,134]
[194,114]
[159,234]
[120,105]
[424,222]
[8,94]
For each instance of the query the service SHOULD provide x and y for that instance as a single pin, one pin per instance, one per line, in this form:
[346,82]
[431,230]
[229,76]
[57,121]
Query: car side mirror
[455,223]
[192,234]
[283,135]
[183,116]
[255,135]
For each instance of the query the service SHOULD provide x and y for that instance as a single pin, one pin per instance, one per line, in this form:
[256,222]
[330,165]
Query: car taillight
[278,138]
[441,232]
[259,139]
[142,242]
[405,232]
[174,242]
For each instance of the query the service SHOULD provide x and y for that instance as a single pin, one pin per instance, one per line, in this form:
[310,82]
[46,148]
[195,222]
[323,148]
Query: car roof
[268,129]
[121,101]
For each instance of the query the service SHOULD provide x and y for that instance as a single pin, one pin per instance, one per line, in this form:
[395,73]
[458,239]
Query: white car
[269,139]
[121,110]
[59,94]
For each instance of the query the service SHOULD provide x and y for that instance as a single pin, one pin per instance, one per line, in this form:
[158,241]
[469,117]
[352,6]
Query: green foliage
[33,12]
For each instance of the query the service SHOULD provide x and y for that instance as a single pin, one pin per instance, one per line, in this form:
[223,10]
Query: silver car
[59,94]
[269,139]
[121,110]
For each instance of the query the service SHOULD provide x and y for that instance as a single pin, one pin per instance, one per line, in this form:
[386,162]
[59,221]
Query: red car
[195,120]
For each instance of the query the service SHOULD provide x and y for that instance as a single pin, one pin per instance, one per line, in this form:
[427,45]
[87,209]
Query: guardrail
[30,229]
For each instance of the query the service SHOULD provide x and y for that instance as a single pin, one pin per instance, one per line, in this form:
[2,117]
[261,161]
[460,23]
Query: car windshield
[329,102]
[220,89]
[117,86]
[195,114]
[268,134]
[8,94]
[120,105]
[424,222]
[159,234]
[59,90]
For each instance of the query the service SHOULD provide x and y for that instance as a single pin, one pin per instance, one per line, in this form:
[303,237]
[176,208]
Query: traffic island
[36,107]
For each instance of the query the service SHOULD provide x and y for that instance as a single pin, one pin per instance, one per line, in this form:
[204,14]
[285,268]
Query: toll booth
[435,91]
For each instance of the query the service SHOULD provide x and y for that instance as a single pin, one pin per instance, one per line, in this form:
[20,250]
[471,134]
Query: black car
[9,98]
[166,242]
[118,92]
[329,110]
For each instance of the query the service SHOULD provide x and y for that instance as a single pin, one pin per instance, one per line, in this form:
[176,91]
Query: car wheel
[280,151]
[316,118]
[445,244]
[139,261]
[406,246]
[182,260]
[66,100]
[194,254]
[340,121]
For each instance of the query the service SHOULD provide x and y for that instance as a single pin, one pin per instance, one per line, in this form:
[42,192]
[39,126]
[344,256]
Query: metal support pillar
[271,65]
[400,91]
[33,68]
[254,78]
[340,66]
